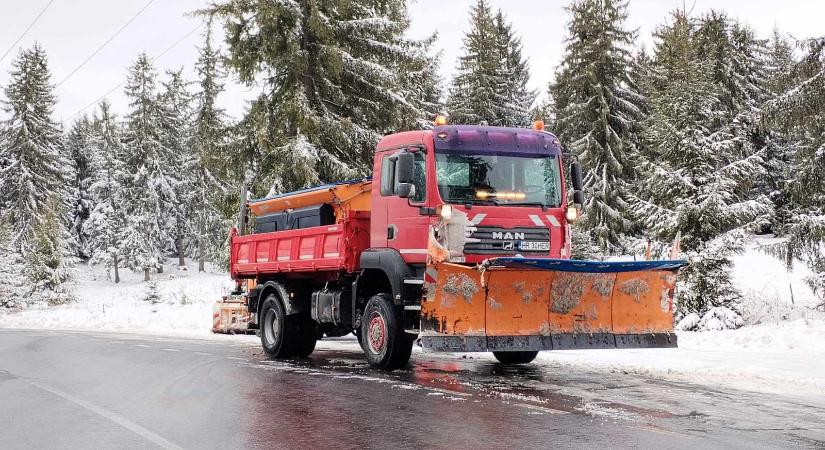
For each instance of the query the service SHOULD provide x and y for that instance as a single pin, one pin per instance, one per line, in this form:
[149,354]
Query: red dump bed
[328,248]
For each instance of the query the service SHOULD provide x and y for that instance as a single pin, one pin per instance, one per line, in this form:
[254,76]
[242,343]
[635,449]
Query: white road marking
[143,345]
[112,416]
[204,354]
[171,350]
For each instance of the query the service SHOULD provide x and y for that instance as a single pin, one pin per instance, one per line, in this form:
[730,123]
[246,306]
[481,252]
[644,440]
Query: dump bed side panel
[334,248]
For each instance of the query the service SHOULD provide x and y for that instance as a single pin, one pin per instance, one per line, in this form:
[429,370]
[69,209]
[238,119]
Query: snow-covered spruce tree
[781,137]
[738,64]
[34,176]
[695,183]
[800,112]
[179,160]
[472,96]
[598,111]
[13,288]
[212,158]
[148,194]
[425,84]
[332,73]
[107,218]
[490,85]
[514,74]
[46,261]
[79,148]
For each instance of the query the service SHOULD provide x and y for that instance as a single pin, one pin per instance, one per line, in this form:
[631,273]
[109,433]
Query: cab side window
[387,176]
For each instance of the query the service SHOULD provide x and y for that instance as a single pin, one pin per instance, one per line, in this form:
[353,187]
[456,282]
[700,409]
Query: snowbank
[771,292]
[185,306]
[787,358]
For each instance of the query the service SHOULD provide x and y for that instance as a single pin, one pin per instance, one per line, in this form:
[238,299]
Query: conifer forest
[712,135]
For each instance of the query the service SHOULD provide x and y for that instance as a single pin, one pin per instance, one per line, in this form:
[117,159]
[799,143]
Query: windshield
[500,179]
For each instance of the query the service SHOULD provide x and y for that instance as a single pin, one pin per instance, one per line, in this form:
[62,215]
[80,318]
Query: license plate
[534,246]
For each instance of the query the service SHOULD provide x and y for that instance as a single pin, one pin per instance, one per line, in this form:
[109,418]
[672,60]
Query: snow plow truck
[460,240]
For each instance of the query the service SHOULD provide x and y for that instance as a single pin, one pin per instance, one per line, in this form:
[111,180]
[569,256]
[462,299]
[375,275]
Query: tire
[515,357]
[306,335]
[384,341]
[285,336]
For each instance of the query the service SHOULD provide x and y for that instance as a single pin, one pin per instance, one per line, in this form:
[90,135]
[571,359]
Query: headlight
[446,212]
[572,214]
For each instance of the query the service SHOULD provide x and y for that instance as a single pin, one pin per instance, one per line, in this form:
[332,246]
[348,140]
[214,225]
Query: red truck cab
[508,181]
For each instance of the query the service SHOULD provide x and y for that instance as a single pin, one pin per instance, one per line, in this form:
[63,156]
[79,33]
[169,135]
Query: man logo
[502,235]
[508,246]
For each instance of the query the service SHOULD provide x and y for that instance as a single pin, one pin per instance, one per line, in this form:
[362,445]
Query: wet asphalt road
[97,390]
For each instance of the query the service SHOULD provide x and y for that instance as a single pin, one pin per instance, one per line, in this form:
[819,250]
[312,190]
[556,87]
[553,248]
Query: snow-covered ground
[781,349]
[184,309]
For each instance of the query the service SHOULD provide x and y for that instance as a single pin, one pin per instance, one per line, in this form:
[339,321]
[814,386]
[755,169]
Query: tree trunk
[160,268]
[117,272]
[201,255]
[146,274]
[179,247]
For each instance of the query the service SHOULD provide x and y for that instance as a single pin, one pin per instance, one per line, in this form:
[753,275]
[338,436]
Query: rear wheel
[382,337]
[285,336]
[515,357]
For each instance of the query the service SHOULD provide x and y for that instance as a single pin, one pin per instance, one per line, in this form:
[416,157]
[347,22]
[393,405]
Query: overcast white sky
[70,30]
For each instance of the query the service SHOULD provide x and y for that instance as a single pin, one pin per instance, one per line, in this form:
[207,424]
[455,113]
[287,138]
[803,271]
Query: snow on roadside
[787,358]
[770,292]
[185,307]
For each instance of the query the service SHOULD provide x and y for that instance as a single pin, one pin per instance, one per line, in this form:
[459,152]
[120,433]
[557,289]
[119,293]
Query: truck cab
[509,182]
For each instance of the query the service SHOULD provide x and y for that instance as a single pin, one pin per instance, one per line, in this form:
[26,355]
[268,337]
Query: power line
[160,55]
[111,38]
[26,30]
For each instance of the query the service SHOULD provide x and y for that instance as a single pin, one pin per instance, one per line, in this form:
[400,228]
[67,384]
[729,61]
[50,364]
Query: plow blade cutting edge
[525,304]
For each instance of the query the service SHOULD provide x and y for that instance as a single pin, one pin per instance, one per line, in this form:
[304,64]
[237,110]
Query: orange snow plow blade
[512,304]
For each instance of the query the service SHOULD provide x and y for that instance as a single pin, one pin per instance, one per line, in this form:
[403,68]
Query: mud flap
[513,304]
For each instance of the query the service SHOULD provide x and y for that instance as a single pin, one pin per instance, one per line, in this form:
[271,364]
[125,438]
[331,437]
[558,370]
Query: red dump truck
[461,239]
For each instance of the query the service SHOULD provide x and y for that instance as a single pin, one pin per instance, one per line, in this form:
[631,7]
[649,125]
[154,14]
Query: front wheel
[515,357]
[383,339]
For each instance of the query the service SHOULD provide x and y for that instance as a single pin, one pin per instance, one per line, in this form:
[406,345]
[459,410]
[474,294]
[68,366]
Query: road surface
[98,390]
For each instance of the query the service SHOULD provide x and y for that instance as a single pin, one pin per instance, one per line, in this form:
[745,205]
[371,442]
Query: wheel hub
[271,327]
[377,333]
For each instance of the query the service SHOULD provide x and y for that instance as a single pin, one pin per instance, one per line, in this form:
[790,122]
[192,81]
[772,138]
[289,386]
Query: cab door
[407,228]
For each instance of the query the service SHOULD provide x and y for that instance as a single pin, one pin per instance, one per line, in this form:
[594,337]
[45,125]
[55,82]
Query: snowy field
[780,350]
[184,309]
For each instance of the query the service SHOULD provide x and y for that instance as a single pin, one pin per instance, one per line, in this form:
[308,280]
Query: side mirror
[405,190]
[576,181]
[405,168]
[576,176]
[578,197]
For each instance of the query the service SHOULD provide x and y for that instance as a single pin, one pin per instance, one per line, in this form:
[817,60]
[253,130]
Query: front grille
[495,240]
